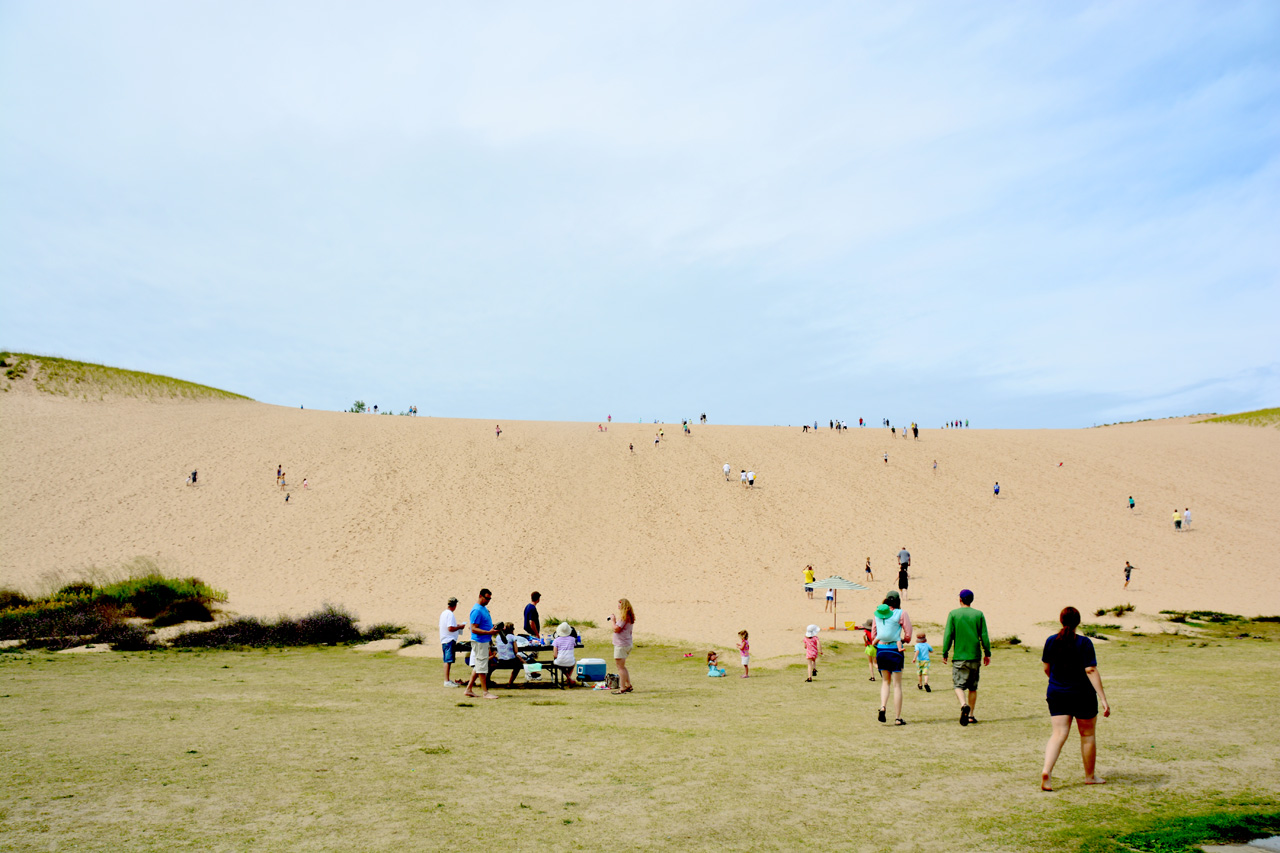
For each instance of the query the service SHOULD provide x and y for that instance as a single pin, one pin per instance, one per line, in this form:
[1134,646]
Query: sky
[1023,214]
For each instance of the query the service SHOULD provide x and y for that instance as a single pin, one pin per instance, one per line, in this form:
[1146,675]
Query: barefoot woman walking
[1075,690]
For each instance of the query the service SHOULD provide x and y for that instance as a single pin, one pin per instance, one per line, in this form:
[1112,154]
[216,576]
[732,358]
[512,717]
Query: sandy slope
[403,512]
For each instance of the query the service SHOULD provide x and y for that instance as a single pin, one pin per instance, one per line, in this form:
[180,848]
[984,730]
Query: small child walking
[922,651]
[812,648]
[870,649]
[714,669]
[745,648]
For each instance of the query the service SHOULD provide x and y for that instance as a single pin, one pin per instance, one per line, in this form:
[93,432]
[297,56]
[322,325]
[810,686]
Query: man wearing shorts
[448,638]
[481,634]
[966,629]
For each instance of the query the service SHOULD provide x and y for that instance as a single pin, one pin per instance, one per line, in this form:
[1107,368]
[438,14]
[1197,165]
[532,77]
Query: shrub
[381,631]
[11,598]
[151,593]
[183,610]
[78,589]
[124,637]
[244,631]
[327,626]
[75,619]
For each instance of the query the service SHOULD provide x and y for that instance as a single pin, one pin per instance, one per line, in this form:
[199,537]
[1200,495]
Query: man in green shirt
[967,629]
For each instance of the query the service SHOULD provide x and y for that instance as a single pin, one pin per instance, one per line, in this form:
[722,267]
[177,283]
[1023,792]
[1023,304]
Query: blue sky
[1024,214]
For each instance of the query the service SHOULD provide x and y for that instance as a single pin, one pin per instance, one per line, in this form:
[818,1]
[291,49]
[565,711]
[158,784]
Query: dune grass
[330,749]
[88,611]
[1258,417]
[83,380]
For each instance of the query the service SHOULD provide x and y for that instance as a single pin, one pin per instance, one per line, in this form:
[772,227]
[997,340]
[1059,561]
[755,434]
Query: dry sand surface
[403,512]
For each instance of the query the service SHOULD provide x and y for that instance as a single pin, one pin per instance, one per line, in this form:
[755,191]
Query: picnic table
[528,653]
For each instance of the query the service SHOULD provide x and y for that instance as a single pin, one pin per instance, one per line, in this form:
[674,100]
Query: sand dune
[403,512]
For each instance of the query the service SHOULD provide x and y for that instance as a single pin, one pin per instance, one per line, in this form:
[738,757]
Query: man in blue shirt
[481,633]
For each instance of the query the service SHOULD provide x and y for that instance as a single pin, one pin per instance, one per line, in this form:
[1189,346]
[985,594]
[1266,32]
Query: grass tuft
[552,621]
[1203,616]
[381,631]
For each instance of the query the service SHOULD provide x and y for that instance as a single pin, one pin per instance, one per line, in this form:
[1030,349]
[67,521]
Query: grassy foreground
[338,749]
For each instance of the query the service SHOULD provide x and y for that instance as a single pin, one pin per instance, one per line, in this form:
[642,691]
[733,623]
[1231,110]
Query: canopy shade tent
[835,582]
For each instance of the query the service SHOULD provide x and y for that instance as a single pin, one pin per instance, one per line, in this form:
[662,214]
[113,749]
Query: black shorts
[889,660]
[1081,704]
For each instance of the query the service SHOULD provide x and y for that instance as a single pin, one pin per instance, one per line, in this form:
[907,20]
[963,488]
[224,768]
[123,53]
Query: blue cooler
[591,669]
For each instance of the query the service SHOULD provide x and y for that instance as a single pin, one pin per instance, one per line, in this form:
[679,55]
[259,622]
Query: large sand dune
[403,512]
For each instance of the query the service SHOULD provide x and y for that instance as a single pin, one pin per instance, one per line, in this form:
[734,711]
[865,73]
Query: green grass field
[339,749]
[82,380]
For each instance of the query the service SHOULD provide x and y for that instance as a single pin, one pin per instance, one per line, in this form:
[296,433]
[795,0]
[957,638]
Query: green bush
[11,598]
[78,589]
[183,610]
[151,593]
[75,619]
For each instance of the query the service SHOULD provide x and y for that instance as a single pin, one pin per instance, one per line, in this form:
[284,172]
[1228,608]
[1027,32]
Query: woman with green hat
[887,637]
